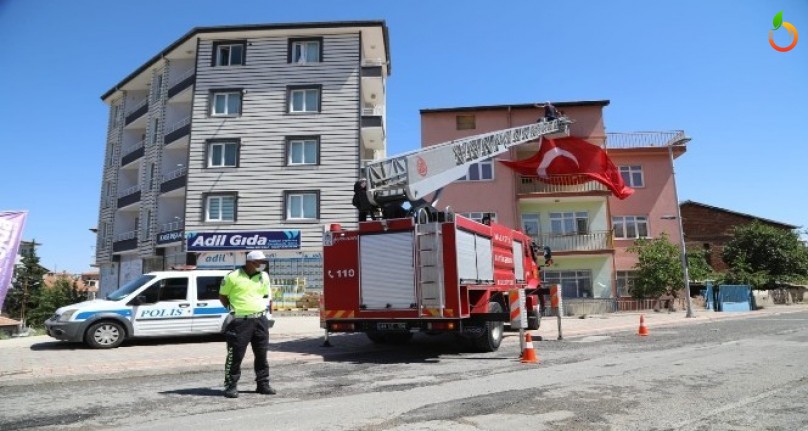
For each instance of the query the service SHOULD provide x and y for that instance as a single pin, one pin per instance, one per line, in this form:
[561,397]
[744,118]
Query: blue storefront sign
[171,236]
[253,240]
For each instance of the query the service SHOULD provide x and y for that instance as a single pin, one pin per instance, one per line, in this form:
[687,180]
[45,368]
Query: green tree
[64,291]
[659,266]
[765,256]
[27,282]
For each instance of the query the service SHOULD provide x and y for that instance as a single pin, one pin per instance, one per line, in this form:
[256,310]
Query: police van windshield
[128,288]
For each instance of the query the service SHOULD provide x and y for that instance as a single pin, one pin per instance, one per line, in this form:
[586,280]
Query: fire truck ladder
[414,175]
[430,276]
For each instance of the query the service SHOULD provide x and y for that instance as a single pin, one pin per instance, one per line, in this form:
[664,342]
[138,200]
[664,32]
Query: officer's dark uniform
[248,298]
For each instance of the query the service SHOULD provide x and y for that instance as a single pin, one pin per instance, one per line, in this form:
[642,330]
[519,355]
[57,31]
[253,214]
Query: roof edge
[790,226]
[251,27]
[604,102]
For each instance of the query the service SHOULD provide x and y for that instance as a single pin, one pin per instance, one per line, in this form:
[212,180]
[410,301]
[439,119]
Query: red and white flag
[572,161]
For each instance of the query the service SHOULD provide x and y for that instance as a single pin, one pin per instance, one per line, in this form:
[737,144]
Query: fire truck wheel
[492,334]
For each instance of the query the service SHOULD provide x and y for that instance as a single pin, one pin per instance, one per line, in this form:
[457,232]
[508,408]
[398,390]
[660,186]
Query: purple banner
[11,224]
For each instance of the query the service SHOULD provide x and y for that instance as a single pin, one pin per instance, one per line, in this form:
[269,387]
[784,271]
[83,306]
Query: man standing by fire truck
[246,291]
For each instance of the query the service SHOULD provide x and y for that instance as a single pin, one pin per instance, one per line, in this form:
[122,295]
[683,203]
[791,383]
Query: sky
[705,67]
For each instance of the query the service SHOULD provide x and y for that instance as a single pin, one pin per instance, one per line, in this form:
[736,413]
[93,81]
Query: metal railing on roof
[645,139]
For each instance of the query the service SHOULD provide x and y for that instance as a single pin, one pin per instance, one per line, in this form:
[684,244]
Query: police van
[157,304]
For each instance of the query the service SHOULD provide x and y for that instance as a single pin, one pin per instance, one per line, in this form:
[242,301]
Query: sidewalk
[44,358]
[604,324]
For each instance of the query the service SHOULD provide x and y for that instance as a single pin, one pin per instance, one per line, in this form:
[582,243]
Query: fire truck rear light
[440,326]
[342,327]
[336,227]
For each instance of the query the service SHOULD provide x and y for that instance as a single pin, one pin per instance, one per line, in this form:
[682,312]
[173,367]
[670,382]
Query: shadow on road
[65,345]
[358,349]
[198,392]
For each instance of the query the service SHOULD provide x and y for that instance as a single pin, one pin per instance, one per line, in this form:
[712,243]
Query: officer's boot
[231,390]
[265,389]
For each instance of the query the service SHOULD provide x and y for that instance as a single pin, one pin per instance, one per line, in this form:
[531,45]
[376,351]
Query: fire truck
[432,271]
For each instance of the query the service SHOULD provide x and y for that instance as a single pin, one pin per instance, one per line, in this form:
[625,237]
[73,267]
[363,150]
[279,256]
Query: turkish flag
[572,161]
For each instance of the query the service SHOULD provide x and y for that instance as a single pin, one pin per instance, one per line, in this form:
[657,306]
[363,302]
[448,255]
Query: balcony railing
[185,75]
[131,148]
[560,184]
[168,227]
[129,190]
[137,106]
[592,241]
[178,125]
[123,236]
[373,110]
[373,62]
[176,173]
[645,139]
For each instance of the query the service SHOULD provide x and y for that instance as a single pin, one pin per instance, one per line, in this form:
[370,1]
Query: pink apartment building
[587,228]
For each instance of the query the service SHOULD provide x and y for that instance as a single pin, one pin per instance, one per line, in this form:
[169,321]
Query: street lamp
[678,217]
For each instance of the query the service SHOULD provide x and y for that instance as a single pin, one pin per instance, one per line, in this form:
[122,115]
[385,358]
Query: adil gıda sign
[254,240]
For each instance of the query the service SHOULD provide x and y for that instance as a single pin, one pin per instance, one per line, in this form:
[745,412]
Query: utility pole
[686,276]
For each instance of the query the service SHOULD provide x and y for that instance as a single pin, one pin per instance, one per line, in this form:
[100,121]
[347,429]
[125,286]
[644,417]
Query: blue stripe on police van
[87,314]
[212,310]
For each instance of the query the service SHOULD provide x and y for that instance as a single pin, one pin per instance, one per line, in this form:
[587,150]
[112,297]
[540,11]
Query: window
[478,216]
[569,223]
[302,205]
[625,282]
[223,154]
[632,176]
[482,171]
[630,227]
[305,50]
[147,226]
[116,112]
[228,53]
[304,100]
[208,287]
[302,151]
[220,208]
[158,86]
[574,284]
[465,122]
[155,130]
[152,173]
[530,224]
[225,103]
[169,289]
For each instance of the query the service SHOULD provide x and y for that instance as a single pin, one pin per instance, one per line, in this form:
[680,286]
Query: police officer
[246,291]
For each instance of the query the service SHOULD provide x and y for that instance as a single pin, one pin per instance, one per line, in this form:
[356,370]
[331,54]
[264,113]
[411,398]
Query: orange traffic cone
[529,355]
[643,329]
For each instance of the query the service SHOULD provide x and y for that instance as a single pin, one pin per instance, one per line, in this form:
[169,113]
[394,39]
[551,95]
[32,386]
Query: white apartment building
[236,138]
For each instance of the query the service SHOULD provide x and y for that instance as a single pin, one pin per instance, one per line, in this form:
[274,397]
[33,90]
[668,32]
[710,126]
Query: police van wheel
[105,335]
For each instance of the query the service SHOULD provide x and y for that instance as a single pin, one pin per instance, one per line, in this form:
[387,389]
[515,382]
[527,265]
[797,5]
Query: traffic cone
[529,354]
[643,329]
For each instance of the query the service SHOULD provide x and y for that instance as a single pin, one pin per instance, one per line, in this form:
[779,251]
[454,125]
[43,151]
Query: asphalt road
[747,374]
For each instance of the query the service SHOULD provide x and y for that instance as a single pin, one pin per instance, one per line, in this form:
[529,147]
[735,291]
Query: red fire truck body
[390,278]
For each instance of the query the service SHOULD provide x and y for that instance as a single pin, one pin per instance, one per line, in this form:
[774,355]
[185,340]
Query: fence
[583,306]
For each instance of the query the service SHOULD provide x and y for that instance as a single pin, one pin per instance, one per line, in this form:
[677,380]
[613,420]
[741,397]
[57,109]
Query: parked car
[157,304]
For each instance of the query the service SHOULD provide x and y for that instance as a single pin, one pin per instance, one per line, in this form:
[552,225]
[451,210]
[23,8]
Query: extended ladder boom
[414,175]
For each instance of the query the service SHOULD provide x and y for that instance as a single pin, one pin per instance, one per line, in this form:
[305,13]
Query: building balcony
[177,130]
[373,83]
[124,241]
[137,110]
[132,152]
[372,122]
[129,196]
[561,184]
[181,83]
[585,242]
[642,140]
[174,180]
